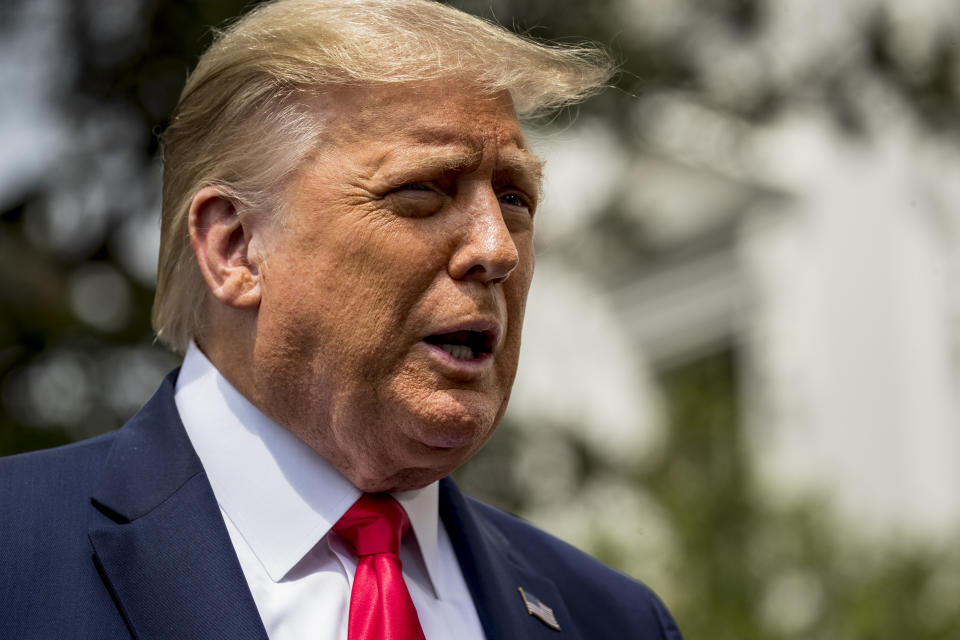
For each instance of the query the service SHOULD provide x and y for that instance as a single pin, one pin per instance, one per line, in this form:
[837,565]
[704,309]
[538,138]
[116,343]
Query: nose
[486,252]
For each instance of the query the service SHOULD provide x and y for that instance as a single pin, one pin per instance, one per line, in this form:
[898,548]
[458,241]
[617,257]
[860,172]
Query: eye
[518,200]
[417,199]
[417,189]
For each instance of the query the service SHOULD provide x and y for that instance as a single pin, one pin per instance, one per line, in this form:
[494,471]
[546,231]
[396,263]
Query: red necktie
[380,605]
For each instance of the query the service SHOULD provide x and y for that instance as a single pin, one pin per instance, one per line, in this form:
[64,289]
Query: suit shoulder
[50,478]
[78,455]
[577,573]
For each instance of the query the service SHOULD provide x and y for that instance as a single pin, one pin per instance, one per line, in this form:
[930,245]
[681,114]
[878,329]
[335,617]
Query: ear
[221,241]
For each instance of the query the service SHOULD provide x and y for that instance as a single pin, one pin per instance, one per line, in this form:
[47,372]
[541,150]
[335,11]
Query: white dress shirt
[280,499]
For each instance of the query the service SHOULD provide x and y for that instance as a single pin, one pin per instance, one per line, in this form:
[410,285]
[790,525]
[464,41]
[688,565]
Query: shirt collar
[262,475]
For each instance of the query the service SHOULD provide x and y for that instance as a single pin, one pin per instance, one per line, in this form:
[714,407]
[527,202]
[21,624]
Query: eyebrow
[440,157]
[524,164]
[519,162]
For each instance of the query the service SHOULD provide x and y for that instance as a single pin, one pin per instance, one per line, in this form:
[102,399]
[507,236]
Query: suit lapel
[159,539]
[495,576]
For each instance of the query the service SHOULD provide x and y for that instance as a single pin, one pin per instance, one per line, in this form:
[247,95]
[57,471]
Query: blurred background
[742,354]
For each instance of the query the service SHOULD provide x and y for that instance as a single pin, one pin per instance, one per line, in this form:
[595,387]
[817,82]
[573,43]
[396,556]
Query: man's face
[393,292]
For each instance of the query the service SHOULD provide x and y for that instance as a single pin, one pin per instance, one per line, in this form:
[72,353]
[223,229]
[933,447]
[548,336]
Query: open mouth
[464,345]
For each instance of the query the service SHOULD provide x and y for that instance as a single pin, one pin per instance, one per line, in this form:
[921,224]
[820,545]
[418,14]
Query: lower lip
[455,366]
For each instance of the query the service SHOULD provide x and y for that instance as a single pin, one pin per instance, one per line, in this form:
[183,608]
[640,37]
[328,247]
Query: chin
[407,467]
[406,480]
[453,425]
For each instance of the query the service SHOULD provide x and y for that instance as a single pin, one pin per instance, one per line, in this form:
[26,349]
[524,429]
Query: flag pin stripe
[536,608]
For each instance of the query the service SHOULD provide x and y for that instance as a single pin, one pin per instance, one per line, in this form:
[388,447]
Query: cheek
[517,287]
[354,319]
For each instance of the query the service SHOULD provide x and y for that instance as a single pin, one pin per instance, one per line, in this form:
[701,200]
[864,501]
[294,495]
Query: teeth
[461,351]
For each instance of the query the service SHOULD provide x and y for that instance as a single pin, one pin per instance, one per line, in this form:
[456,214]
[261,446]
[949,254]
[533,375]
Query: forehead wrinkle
[416,147]
[503,132]
[456,147]
[499,137]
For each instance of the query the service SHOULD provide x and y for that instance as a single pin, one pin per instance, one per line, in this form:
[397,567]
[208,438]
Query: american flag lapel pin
[537,608]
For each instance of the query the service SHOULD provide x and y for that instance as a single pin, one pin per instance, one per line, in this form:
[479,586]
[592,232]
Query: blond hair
[248,117]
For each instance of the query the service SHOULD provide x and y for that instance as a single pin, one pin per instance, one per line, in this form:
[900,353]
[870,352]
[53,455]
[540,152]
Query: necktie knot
[374,524]
[380,605]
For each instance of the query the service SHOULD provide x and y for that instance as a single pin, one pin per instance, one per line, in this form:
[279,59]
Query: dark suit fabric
[120,536]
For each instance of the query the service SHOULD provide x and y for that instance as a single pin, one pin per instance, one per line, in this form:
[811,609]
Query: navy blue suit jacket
[121,536]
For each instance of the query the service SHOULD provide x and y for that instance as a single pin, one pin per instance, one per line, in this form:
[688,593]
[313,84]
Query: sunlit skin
[415,219]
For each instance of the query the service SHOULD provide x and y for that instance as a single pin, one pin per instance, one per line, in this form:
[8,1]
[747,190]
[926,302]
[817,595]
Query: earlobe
[221,242]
